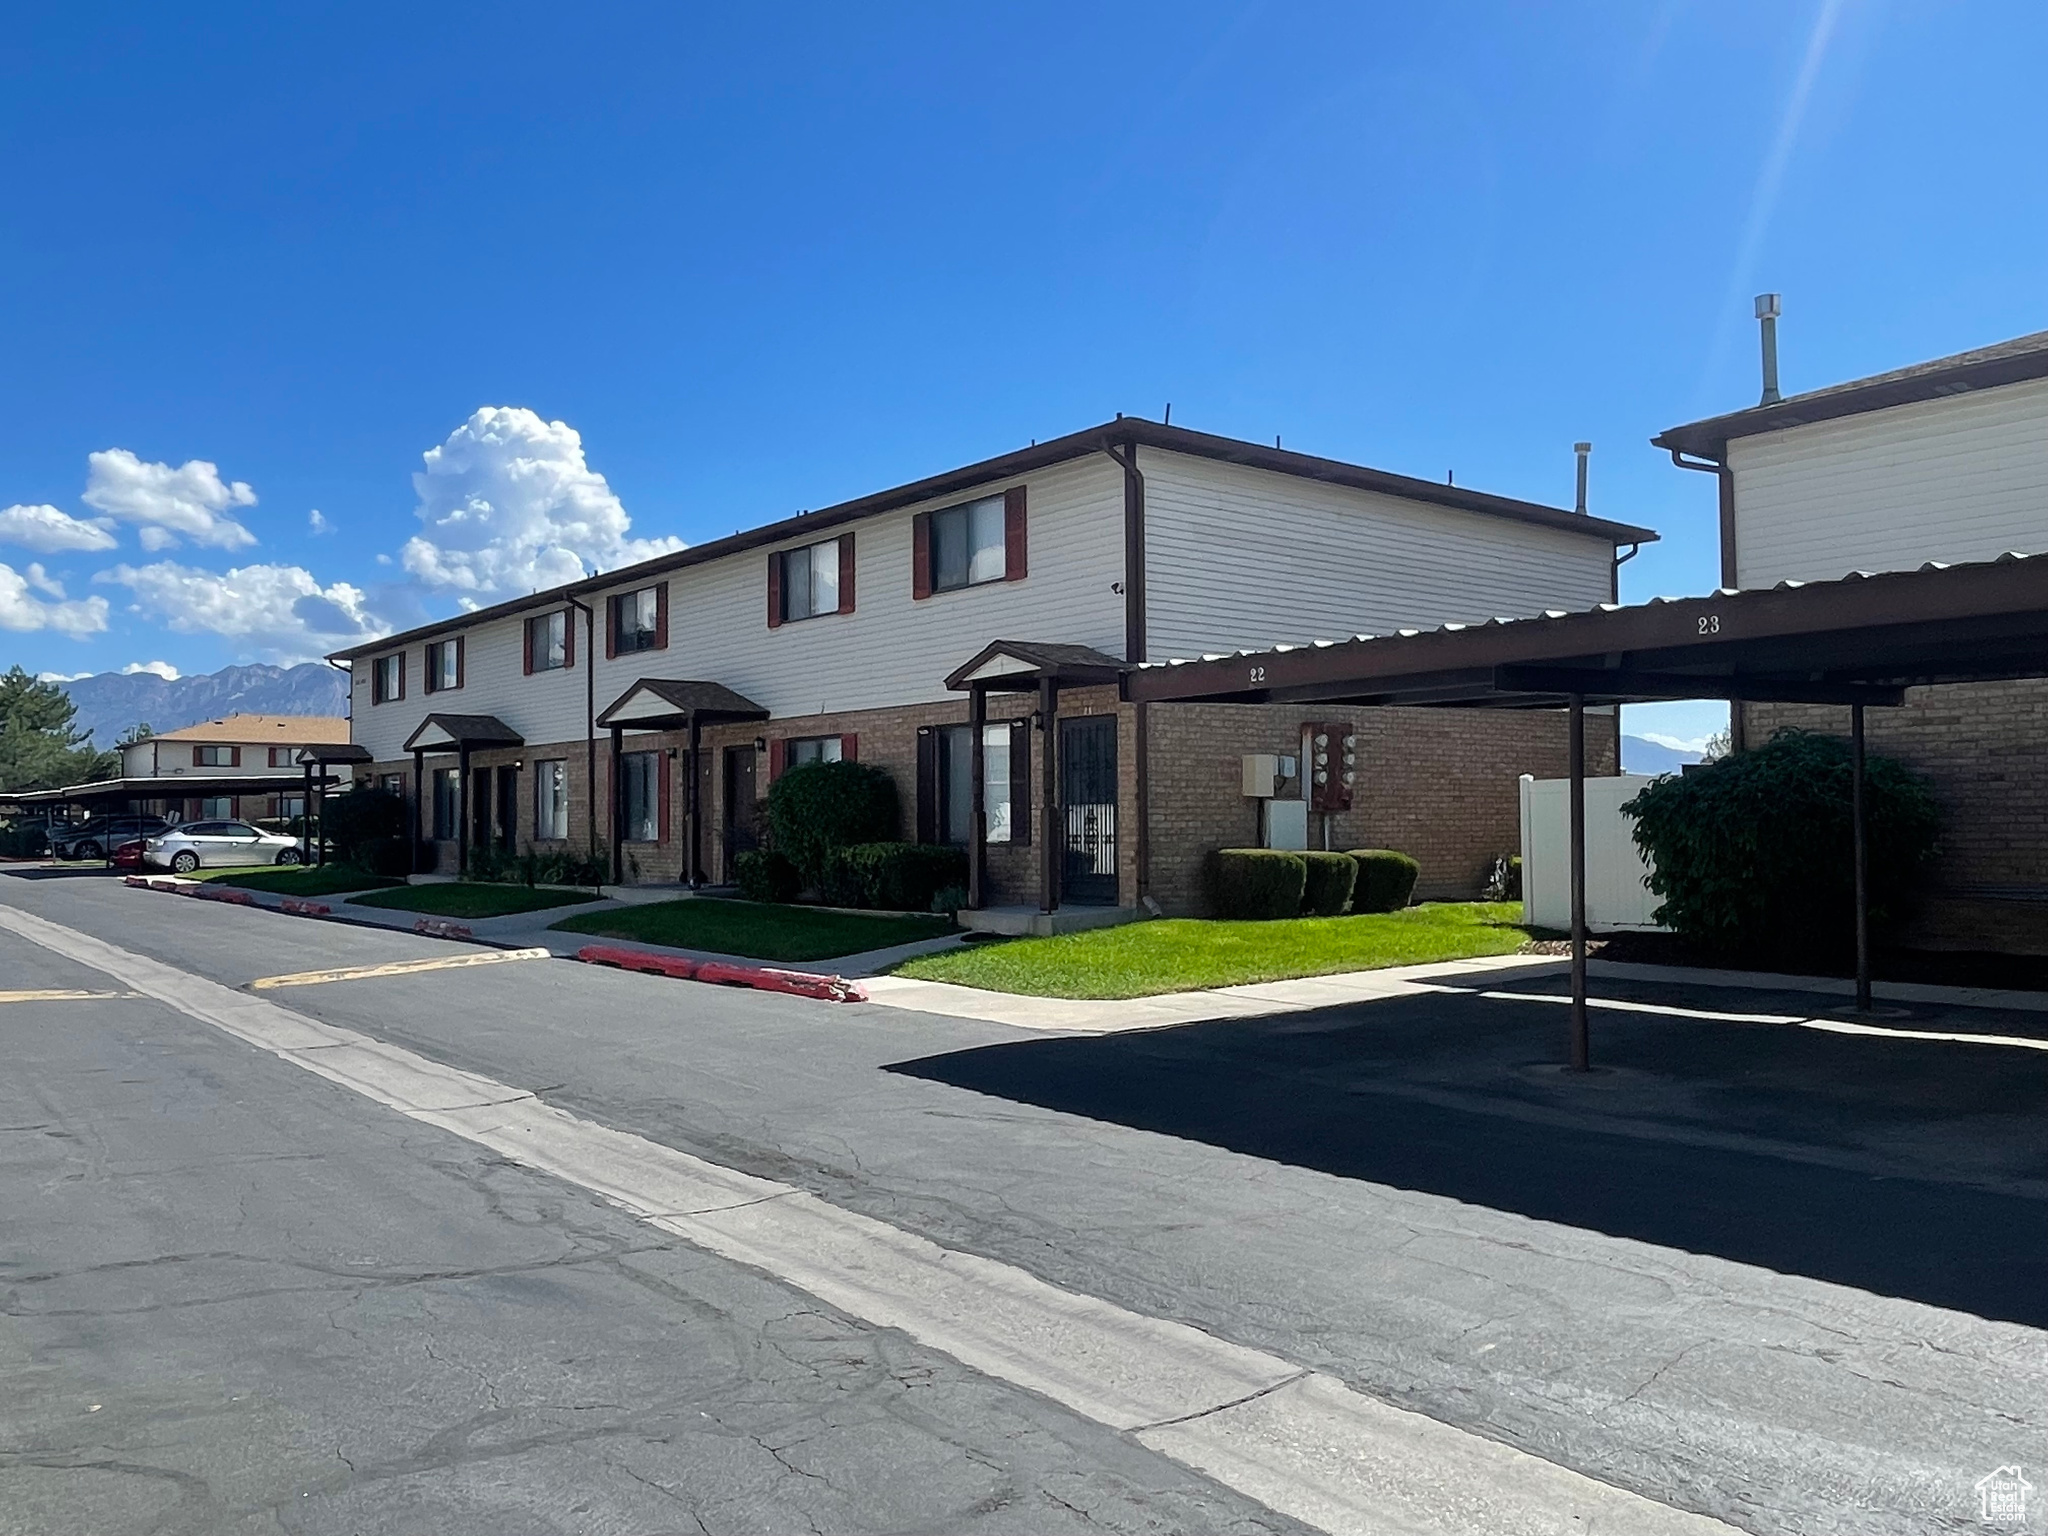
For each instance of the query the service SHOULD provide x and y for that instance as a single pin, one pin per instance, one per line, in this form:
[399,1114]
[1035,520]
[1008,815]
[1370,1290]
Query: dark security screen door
[508,807]
[742,810]
[1088,803]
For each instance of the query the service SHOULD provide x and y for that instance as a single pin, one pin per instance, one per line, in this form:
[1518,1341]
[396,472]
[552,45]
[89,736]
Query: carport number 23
[1710,623]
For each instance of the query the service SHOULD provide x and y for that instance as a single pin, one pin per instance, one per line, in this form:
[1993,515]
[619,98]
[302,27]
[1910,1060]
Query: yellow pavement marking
[58,996]
[396,968]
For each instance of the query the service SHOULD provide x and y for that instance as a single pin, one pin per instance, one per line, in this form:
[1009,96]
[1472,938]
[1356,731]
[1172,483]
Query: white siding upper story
[1236,557]
[156,758]
[1240,558]
[1964,478]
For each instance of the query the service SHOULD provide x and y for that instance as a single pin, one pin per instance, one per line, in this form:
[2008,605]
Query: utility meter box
[1261,769]
[1284,824]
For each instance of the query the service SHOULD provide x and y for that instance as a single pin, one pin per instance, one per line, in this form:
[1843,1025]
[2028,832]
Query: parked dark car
[92,840]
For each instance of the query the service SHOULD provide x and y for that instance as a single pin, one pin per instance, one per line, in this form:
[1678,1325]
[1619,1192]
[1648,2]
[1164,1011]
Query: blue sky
[761,261]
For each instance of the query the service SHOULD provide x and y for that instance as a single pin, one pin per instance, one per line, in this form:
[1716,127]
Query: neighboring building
[213,754]
[1945,461]
[834,634]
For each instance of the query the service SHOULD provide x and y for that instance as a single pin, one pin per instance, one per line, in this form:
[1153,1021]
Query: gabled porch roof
[1018,666]
[443,733]
[661,704]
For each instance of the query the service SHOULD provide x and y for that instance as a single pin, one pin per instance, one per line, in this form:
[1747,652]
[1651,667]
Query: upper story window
[444,665]
[283,757]
[639,620]
[965,546]
[803,583]
[550,642]
[387,678]
[216,757]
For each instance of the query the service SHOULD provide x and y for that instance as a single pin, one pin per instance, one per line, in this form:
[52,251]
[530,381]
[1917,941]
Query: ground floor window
[640,796]
[551,800]
[393,784]
[1003,752]
[812,749]
[217,807]
[447,804]
[291,805]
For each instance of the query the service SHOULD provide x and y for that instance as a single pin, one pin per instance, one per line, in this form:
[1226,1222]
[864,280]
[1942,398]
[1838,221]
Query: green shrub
[382,856]
[950,900]
[1504,878]
[1753,853]
[763,875]
[359,815]
[817,808]
[1327,890]
[895,877]
[1256,882]
[1386,879]
[23,842]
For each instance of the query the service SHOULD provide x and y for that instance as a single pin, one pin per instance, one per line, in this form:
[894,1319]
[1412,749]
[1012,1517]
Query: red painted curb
[443,928]
[135,880]
[830,989]
[301,907]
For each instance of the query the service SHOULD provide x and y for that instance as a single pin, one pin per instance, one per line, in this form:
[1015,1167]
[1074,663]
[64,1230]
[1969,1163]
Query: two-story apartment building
[197,768]
[644,712]
[1944,461]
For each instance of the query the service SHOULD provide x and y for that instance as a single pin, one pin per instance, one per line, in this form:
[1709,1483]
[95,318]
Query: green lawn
[459,898]
[1180,954]
[756,930]
[321,880]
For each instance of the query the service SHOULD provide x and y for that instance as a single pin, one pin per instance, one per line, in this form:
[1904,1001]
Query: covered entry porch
[680,705]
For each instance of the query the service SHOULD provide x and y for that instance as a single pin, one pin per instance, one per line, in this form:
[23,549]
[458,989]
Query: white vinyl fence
[1616,897]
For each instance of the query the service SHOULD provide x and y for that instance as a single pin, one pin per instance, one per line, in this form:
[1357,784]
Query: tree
[137,733]
[39,747]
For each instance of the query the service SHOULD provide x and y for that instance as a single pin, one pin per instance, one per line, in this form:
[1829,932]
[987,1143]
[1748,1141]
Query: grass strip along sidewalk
[320,880]
[475,899]
[757,930]
[1182,954]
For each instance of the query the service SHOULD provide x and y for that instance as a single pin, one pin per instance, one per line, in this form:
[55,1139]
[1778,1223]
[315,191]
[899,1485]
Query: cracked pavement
[1670,1359]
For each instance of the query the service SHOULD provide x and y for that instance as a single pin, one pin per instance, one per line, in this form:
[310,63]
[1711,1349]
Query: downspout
[1725,484]
[589,728]
[1134,651]
[1614,572]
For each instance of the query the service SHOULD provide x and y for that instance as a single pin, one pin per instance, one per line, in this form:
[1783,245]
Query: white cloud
[510,505]
[43,581]
[280,611]
[62,677]
[317,521]
[1675,743]
[47,531]
[24,613]
[191,500]
[162,669]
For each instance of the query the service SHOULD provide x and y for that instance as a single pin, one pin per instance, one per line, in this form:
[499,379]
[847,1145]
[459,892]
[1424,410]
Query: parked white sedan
[217,844]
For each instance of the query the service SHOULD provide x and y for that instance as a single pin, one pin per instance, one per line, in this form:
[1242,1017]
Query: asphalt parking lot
[1785,1277]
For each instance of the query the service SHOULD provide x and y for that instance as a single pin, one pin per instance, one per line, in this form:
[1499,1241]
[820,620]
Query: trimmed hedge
[1327,891]
[1754,857]
[359,816]
[896,877]
[1386,879]
[1256,883]
[815,809]
[763,875]
[382,855]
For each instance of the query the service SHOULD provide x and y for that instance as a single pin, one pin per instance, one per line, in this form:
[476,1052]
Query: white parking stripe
[1795,1020]
[1299,1442]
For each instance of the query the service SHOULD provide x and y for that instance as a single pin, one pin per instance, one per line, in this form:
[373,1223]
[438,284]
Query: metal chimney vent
[1582,450]
[1767,319]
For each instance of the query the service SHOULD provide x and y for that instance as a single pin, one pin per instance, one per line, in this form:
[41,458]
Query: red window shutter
[921,555]
[529,647]
[661,617]
[775,591]
[428,671]
[1016,546]
[401,674]
[846,573]
[665,768]
[778,754]
[849,747]
[198,758]
[611,627]
[235,759]
[568,637]
[461,656]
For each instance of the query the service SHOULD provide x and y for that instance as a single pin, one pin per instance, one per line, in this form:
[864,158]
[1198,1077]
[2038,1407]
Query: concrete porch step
[1014,922]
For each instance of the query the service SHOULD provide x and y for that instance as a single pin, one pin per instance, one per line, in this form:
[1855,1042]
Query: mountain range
[1641,755]
[110,702]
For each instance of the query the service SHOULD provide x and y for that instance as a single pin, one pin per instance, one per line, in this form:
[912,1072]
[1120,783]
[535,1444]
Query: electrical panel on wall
[1329,752]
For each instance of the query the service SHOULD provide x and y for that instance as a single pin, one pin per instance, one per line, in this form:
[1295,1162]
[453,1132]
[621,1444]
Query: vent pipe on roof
[1767,319]
[1582,450]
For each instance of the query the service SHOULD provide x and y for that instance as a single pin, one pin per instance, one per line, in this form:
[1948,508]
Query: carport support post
[462,809]
[618,811]
[419,784]
[696,810]
[977,827]
[306,819]
[1582,1051]
[1861,859]
[1052,836]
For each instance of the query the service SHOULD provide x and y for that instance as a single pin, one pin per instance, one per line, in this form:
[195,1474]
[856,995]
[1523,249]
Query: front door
[508,807]
[1088,806]
[480,808]
[742,810]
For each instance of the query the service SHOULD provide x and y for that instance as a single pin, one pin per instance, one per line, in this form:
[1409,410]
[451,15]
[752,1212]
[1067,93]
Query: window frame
[998,738]
[633,767]
[648,639]
[786,585]
[448,828]
[380,691]
[551,780]
[966,514]
[213,754]
[436,668]
[539,650]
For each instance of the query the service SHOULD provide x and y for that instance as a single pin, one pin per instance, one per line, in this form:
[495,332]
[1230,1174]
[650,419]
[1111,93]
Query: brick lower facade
[1437,784]
[1985,748]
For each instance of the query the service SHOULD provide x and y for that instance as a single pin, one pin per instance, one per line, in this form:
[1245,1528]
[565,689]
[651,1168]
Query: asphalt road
[296,1311]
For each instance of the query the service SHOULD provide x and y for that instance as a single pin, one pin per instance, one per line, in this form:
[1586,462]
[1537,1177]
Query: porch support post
[419,779]
[463,802]
[1856,798]
[1581,1042]
[306,818]
[1052,836]
[618,812]
[977,820]
[695,803]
